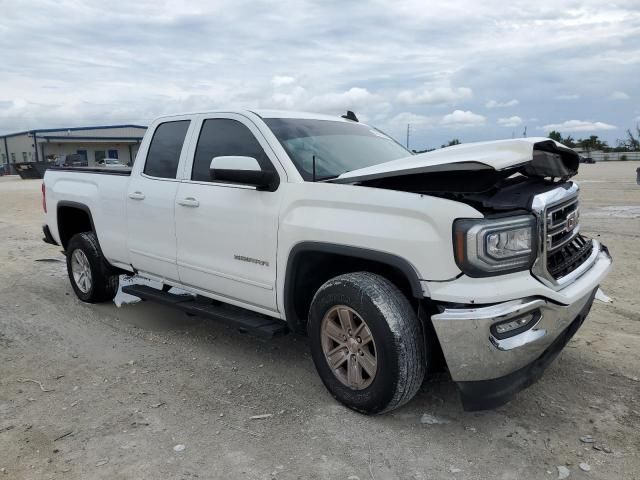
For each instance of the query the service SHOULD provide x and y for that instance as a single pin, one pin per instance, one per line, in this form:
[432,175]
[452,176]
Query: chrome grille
[561,249]
[562,224]
[565,260]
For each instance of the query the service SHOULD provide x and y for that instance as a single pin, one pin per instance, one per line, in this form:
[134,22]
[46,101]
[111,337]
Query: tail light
[44,198]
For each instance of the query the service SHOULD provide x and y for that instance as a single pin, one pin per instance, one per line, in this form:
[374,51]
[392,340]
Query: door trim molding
[265,286]
[153,256]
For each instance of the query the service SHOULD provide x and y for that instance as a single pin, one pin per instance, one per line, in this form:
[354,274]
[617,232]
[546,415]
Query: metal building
[92,144]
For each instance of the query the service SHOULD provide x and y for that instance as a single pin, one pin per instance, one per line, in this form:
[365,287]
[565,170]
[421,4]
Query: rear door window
[164,152]
[222,137]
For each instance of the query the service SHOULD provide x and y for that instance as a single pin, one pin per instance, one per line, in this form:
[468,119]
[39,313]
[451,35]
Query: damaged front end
[523,189]
[491,176]
[498,336]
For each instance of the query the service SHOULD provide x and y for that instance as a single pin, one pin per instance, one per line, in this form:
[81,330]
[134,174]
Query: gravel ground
[143,392]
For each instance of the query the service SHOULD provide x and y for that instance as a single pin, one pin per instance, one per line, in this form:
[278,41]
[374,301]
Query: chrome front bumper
[473,353]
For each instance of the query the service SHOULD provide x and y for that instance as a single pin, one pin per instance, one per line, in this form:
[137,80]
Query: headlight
[485,247]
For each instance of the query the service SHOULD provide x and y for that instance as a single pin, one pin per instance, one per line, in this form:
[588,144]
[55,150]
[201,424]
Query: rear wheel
[366,342]
[90,274]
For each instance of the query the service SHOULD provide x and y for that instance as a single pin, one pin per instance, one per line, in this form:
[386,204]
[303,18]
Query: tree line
[450,143]
[630,143]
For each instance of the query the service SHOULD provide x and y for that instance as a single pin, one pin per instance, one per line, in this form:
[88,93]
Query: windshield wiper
[315,178]
[313,167]
[328,177]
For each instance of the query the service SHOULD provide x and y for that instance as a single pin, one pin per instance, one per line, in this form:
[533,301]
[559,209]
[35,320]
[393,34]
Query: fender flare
[79,206]
[399,263]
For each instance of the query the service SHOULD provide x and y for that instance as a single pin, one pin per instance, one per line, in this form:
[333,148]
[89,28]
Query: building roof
[68,137]
[72,129]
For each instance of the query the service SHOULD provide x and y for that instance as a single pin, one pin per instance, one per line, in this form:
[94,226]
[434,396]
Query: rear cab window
[164,151]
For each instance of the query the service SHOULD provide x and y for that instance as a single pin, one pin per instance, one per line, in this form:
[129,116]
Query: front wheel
[366,342]
[90,274]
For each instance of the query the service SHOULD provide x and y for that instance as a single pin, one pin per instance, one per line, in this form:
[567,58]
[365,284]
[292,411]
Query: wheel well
[308,269]
[71,220]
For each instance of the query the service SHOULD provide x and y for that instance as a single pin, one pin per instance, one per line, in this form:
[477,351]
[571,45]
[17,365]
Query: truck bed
[101,192]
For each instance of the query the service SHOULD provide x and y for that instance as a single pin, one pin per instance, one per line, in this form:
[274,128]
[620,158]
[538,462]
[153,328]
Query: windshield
[338,147]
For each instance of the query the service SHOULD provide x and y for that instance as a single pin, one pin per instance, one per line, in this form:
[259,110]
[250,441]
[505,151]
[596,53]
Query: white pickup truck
[394,265]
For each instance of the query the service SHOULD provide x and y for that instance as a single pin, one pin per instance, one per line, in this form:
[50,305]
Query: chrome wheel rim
[81,271]
[348,347]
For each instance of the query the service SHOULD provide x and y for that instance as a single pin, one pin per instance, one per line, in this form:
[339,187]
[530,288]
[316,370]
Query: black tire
[104,283]
[396,331]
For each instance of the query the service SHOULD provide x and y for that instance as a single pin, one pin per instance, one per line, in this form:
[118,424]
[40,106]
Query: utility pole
[524,134]
[408,130]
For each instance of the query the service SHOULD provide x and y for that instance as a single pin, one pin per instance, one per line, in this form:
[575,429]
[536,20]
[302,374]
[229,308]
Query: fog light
[514,326]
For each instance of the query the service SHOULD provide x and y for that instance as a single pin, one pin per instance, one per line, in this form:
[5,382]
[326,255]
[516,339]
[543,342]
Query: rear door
[150,201]
[227,233]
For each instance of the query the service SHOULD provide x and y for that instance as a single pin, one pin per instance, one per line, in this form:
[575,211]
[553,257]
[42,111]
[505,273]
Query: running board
[244,320]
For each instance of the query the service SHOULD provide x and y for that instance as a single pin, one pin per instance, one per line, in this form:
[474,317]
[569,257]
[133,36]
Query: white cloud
[351,99]
[571,96]
[618,95]
[463,118]
[510,121]
[577,126]
[311,58]
[434,95]
[496,104]
[299,98]
[288,100]
[405,118]
[281,80]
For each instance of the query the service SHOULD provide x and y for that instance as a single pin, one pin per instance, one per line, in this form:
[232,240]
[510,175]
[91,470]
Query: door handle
[189,202]
[136,196]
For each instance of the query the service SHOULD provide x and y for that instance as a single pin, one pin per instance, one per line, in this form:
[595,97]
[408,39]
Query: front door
[227,233]
[150,201]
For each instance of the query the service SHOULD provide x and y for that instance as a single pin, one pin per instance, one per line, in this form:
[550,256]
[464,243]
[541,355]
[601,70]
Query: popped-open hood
[472,166]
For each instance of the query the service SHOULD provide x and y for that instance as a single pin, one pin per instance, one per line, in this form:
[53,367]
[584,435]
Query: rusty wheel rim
[348,347]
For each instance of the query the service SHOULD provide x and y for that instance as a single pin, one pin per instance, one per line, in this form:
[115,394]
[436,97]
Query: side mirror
[242,170]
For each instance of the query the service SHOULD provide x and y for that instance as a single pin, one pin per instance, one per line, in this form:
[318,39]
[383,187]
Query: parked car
[584,159]
[71,160]
[110,163]
[468,257]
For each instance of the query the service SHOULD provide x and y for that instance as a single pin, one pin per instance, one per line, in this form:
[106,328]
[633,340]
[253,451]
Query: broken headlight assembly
[486,247]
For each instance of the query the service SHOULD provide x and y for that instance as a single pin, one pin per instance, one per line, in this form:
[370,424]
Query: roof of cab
[266,114]
[303,115]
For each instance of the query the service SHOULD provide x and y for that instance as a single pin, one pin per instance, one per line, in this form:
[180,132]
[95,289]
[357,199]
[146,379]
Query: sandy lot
[121,387]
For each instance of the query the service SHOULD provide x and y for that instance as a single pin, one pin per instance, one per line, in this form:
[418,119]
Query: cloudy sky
[466,69]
